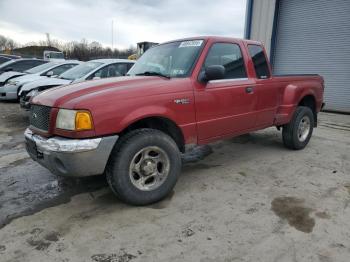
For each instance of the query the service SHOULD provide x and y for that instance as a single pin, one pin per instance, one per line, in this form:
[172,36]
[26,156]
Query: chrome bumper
[70,157]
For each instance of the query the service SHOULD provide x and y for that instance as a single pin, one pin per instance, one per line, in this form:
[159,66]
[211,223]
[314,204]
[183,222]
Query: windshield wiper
[61,77]
[152,73]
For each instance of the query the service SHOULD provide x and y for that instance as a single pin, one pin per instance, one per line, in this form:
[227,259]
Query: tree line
[82,50]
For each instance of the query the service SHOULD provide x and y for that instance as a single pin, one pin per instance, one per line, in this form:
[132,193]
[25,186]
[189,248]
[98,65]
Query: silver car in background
[93,69]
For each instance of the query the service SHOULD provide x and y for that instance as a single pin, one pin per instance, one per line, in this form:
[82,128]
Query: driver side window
[229,56]
[101,73]
[112,70]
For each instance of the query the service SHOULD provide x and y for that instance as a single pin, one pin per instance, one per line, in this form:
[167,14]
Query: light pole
[112,33]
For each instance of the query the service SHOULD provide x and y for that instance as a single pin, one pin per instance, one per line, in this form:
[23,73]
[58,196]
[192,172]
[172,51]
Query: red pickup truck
[186,92]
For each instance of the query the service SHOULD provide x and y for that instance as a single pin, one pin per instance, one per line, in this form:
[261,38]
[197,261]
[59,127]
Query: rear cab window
[228,55]
[261,67]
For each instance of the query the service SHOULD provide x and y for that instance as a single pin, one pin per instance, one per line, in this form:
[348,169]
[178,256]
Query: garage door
[314,37]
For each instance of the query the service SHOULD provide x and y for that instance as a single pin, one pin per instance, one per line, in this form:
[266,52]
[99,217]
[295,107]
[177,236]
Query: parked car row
[32,76]
[13,81]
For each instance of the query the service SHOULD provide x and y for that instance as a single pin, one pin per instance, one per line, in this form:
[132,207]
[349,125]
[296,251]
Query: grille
[40,117]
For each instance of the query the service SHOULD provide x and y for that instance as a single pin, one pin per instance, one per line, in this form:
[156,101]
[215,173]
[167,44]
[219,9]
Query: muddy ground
[244,199]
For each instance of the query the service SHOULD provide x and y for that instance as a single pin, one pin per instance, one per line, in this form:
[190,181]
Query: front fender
[152,111]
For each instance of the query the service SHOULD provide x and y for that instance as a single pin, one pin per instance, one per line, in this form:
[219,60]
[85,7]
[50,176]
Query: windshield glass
[40,68]
[8,63]
[173,59]
[80,70]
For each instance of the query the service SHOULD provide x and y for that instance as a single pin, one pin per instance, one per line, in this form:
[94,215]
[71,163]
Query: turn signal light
[83,121]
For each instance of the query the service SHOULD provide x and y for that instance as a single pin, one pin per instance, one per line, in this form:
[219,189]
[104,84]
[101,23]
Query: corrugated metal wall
[314,37]
[262,22]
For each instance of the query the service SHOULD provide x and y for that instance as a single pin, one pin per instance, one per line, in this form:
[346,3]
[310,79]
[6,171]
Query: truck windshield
[80,70]
[174,59]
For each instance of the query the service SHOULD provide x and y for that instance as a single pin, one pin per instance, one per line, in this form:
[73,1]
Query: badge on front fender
[182,101]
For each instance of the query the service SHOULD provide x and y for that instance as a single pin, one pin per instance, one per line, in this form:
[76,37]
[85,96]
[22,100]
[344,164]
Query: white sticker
[191,43]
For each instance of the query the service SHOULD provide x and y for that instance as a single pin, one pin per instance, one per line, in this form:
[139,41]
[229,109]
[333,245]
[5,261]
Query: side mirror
[96,78]
[49,74]
[213,72]
[8,69]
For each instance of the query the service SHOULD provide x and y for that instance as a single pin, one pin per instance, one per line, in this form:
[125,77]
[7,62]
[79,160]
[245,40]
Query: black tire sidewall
[301,112]
[119,178]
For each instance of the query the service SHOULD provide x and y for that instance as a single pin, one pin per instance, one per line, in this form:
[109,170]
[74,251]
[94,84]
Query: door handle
[249,89]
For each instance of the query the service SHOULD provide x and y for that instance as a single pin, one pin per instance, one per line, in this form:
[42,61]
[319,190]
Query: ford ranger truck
[181,93]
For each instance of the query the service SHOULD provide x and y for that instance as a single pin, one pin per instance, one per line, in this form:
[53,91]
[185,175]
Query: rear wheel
[143,167]
[297,133]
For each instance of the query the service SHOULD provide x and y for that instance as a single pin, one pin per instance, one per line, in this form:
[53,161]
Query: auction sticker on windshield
[191,43]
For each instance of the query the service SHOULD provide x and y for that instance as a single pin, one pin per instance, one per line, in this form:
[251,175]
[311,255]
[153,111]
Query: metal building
[306,36]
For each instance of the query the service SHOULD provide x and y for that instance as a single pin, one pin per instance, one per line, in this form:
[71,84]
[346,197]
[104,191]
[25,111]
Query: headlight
[12,82]
[77,120]
[33,93]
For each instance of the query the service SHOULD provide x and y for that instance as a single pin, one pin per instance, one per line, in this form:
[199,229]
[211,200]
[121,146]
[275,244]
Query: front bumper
[70,157]
[8,92]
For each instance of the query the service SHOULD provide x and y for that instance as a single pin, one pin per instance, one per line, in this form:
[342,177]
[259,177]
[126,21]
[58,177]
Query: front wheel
[297,133]
[143,167]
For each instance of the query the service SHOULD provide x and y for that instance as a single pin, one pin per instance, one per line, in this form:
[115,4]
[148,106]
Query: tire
[137,158]
[297,133]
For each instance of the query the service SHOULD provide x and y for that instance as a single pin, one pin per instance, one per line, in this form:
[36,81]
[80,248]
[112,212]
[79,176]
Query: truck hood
[44,81]
[7,75]
[82,95]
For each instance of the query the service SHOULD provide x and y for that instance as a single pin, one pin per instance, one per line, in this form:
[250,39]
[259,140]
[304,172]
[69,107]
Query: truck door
[227,106]
[267,90]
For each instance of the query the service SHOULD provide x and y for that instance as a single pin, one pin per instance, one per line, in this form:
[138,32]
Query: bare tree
[82,50]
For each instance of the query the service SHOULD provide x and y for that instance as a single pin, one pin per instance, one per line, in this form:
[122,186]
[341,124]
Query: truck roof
[216,38]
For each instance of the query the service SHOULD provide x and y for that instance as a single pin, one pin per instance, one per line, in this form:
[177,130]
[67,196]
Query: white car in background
[11,89]
[94,69]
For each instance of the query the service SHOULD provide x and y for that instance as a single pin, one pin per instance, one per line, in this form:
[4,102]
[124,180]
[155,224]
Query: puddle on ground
[293,210]
[22,196]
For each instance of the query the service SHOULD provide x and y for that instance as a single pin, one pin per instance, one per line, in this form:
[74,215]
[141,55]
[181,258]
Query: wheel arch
[309,101]
[160,123]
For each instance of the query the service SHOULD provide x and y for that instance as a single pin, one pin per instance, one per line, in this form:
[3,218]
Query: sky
[133,20]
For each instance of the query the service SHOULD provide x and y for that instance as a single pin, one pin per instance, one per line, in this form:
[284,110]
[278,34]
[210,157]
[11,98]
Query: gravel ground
[243,199]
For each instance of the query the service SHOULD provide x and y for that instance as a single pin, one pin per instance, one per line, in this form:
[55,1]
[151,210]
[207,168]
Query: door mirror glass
[213,72]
